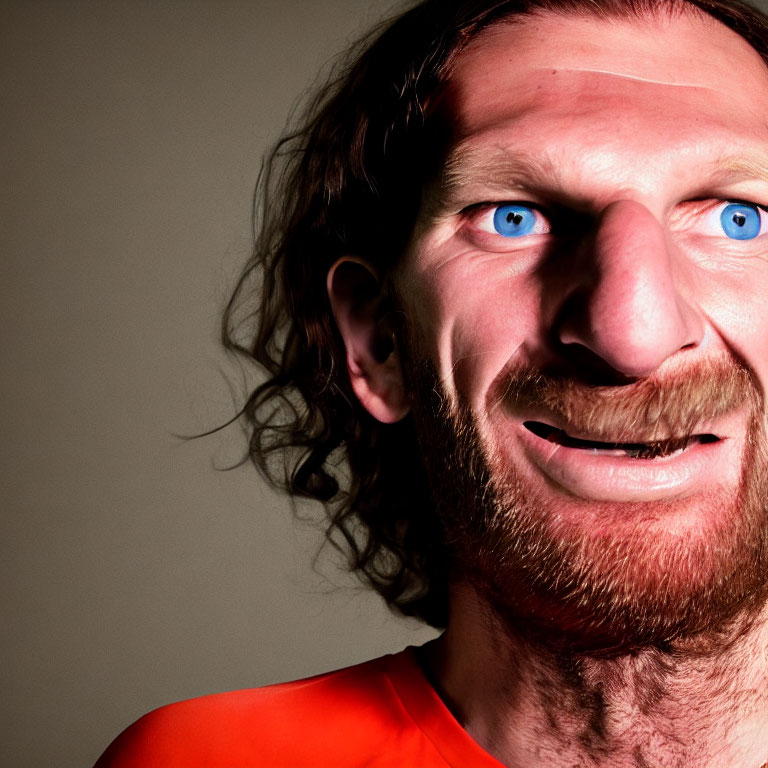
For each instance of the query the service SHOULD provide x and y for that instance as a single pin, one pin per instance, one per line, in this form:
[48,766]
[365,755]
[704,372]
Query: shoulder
[332,719]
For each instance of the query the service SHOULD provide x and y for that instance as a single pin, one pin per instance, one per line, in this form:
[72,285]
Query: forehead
[553,70]
[685,47]
[585,111]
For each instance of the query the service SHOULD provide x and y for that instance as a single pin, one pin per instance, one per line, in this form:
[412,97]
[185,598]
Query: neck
[529,706]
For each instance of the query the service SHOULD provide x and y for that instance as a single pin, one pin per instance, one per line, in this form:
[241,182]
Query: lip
[610,476]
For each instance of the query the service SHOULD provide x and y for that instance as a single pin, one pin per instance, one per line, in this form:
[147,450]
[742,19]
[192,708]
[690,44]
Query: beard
[660,572]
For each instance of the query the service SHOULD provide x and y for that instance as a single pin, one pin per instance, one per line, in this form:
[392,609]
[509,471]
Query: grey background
[133,573]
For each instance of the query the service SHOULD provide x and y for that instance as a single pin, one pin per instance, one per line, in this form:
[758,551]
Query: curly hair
[347,179]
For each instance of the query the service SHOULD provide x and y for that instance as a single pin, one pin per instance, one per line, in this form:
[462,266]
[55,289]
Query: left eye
[742,221]
[512,220]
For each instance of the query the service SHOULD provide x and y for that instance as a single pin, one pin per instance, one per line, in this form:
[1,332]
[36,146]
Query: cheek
[474,322]
[739,314]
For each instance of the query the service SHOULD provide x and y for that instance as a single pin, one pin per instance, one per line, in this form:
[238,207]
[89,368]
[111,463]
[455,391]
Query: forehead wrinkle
[627,76]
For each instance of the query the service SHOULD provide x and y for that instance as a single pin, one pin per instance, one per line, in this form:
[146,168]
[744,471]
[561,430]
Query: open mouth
[653,450]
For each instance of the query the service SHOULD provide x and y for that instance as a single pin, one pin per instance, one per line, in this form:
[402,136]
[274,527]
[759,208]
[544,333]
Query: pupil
[514,218]
[739,219]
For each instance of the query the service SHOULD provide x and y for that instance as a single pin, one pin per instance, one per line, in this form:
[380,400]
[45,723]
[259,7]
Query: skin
[643,131]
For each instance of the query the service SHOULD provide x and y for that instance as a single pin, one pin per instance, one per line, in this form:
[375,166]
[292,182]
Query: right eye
[512,220]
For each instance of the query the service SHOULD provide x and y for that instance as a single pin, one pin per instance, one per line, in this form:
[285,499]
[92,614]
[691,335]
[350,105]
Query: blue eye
[741,221]
[514,220]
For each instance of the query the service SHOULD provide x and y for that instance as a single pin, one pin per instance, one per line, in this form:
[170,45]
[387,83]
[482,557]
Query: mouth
[647,451]
[640,469]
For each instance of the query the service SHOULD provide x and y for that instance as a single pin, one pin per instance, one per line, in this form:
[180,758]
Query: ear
[366,327]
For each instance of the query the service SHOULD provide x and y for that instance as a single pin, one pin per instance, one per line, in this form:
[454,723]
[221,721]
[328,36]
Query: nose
[628,309]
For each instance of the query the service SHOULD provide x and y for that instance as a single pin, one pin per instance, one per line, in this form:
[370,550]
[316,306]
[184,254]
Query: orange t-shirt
[380,714]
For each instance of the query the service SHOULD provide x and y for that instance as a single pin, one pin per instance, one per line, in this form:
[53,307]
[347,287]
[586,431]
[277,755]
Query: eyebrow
[743,167]
[503,170]
[494,168]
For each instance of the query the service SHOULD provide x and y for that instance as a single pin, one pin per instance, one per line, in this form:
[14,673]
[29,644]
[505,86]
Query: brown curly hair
[347,179]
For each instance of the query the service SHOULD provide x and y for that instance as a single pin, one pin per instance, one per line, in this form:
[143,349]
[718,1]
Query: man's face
[587,281]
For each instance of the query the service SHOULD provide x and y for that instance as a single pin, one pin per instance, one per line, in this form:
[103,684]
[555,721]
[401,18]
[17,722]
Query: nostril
[588,367]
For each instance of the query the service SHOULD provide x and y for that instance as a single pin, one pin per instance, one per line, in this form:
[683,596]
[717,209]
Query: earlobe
[362,318]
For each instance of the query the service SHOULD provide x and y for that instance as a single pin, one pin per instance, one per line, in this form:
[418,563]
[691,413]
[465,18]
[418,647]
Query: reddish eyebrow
[494,167]
[502,169]
[472,172]
[742,168]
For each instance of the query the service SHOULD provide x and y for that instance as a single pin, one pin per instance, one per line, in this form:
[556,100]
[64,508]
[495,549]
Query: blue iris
[512,220]
[741,221]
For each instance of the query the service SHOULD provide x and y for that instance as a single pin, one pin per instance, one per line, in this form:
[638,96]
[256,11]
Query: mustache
[652,409]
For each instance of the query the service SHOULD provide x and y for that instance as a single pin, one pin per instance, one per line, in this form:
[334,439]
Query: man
[542,229]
